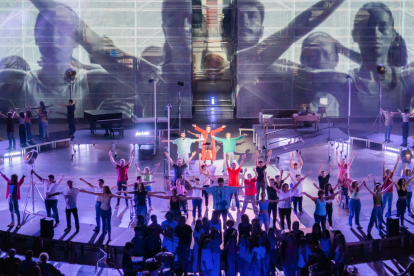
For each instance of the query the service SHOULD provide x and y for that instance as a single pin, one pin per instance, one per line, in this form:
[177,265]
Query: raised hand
[243,156]
[166,153]
[354,153]
[223,126]
[110,153]
[136,166]
[383,163]
[245,135]
[81,179]
[193,154]
[194,125]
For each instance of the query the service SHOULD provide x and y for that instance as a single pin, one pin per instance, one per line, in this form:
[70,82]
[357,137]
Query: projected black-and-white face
[250,28]
[373,30]
[56,34]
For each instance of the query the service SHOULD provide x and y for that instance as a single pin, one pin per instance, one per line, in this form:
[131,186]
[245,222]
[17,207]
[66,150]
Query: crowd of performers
[253,246]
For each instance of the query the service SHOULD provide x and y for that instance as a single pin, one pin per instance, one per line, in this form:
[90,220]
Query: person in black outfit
[127,265]
[152,244]
[184,234]
[271,183]
[323,178]
[260,169]
[244,227]
[71,116]
[179,168]
[9,261]
[10,129]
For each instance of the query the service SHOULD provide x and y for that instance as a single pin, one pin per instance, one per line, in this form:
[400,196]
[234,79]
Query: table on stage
[306,118]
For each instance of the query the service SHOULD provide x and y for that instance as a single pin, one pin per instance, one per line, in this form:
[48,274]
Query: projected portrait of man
[56,36]
[265,80]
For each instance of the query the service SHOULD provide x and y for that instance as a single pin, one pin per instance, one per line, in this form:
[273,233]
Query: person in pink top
[13,194]
[343,166]
[345,182]
[122,170]
[387,197]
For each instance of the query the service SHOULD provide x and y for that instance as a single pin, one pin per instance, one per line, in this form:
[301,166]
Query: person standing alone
[71,107]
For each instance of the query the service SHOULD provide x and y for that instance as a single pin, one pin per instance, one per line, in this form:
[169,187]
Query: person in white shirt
[285,208]
[405,127]
[388,122]
[197,193]
[50,187]
[71,196]
[295,167]
[297,194]
[98,189]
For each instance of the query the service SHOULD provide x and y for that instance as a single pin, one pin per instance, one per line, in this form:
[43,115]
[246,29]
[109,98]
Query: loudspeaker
[46,228]
[393,226]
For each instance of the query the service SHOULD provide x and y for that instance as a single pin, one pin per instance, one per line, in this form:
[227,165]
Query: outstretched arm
[40,178]
[300,160]
[330,169]
[131,158]
[383,169]
[169,158]
[255,172]
[311,197]
[139,170]
[256,159]
[111,158]
[298,28]
[389,187]
[87,183]
[269,155]
[195,134]
[396,165]
[155,169]
[352,159]
[337,158]
[291,161]
[317,187]
[241,163]
[369,190]
[191,157]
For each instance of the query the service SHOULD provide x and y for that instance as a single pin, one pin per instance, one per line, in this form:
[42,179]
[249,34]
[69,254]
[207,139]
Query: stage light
[70,75]
[142,133]
[381,69]
[212,100]
[13,153]
[30,157]
[406,156]
[323,101]
[391,149]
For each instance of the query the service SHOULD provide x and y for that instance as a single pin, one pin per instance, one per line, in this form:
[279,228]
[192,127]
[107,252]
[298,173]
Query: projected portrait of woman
[375,34]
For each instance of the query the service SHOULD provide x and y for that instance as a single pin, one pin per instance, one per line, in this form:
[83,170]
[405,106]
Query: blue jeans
[387,198]
[354,210]
[197,205]
[264,219]
[45,129]
[71,123]
[322,219]
[40,127]
[14,208]
[405,128]
[98,215]
[236,198]
[106,220]
[409,196]
[375,214]
[51,204]
[142,210]
[149,189]
[12,139]
[388,132]
[29,131]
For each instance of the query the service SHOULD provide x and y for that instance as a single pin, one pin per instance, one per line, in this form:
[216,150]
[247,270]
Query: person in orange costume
[208,151]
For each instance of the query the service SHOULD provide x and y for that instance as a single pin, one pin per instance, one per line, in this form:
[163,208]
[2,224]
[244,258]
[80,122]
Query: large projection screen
[115,46]
[285,60]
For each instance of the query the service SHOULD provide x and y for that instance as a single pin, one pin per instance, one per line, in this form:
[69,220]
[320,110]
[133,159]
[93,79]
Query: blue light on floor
[212,100]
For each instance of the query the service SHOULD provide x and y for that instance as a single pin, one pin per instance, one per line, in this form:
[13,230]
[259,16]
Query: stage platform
[82,137]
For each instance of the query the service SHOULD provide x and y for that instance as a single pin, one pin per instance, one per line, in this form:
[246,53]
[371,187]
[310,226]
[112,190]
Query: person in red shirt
[387,197]
[234,172]
[250,191]
[122,170]
[209,143]
[13,194]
